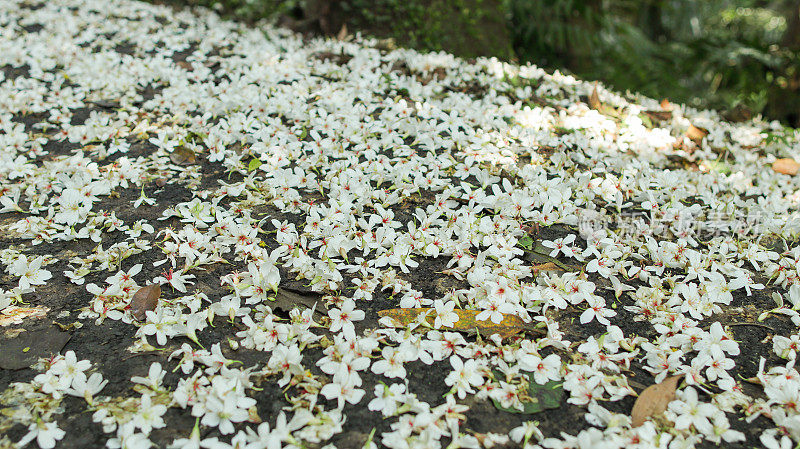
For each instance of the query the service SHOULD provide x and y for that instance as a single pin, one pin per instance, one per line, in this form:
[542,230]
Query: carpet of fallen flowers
[214,236]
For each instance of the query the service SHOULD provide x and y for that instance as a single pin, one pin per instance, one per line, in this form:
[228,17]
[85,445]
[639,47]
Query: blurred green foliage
[733,55]
[464,27]
[739,56]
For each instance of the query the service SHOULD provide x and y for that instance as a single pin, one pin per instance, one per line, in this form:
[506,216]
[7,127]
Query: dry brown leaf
[14,315]
[659,116]
[696,134]
[182,156]
[287,299]
[787,166]
[594,99]
[654,400]
[467,322]
[342,32]
[547,266]
[145,299]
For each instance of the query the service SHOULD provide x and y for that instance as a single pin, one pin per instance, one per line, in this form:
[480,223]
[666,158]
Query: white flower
[526,431]
[544,370]
[562,245]
[342,392]
[53,384]
[148,415]
[87,387]
[444,314]
[177,280]
[69,366]
[597,310]
[155,375]
[157,324]
[494,306]
[342,319]
[786,347]
[690,412]
[31,272]
[46,434]
[392,363]
[128,438]
[464,376]
[223,412]
[266,438]
[387,399]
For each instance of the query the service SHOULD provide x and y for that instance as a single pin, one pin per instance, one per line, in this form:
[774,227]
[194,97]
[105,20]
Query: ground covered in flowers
[285,193]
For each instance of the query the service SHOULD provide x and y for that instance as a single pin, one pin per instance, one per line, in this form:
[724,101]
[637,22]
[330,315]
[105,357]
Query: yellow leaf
[696,134]
[786,166]
[467,321]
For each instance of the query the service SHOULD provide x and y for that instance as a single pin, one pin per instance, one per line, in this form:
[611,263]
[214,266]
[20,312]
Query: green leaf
[646,121]
[543,397]
[719,167]
[540,254]
[526,242]
[254,164]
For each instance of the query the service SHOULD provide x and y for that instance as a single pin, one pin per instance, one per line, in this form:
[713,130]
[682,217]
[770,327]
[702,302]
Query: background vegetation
[739,56]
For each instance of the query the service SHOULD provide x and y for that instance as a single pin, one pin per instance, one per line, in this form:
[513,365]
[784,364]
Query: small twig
[139,354]
[754,324]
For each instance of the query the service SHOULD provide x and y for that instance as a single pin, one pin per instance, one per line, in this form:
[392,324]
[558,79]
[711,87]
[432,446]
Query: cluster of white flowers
[384,179]
[65,375]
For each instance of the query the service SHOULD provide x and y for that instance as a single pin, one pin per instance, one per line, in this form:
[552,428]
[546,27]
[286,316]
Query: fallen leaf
[539,254]
[787,166]
[526,242]
[252,415]
[666,105]
[342,32]
[594,99]
[467,322]
[182,156]
[386,44]
[654,400]
[715,166]
[537,398]
[25,349]
[106,104]
[659,116]
[338,58]
[145,299]
[696,134]
[14,315]
[254,164]
[286,300]
[547,266]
